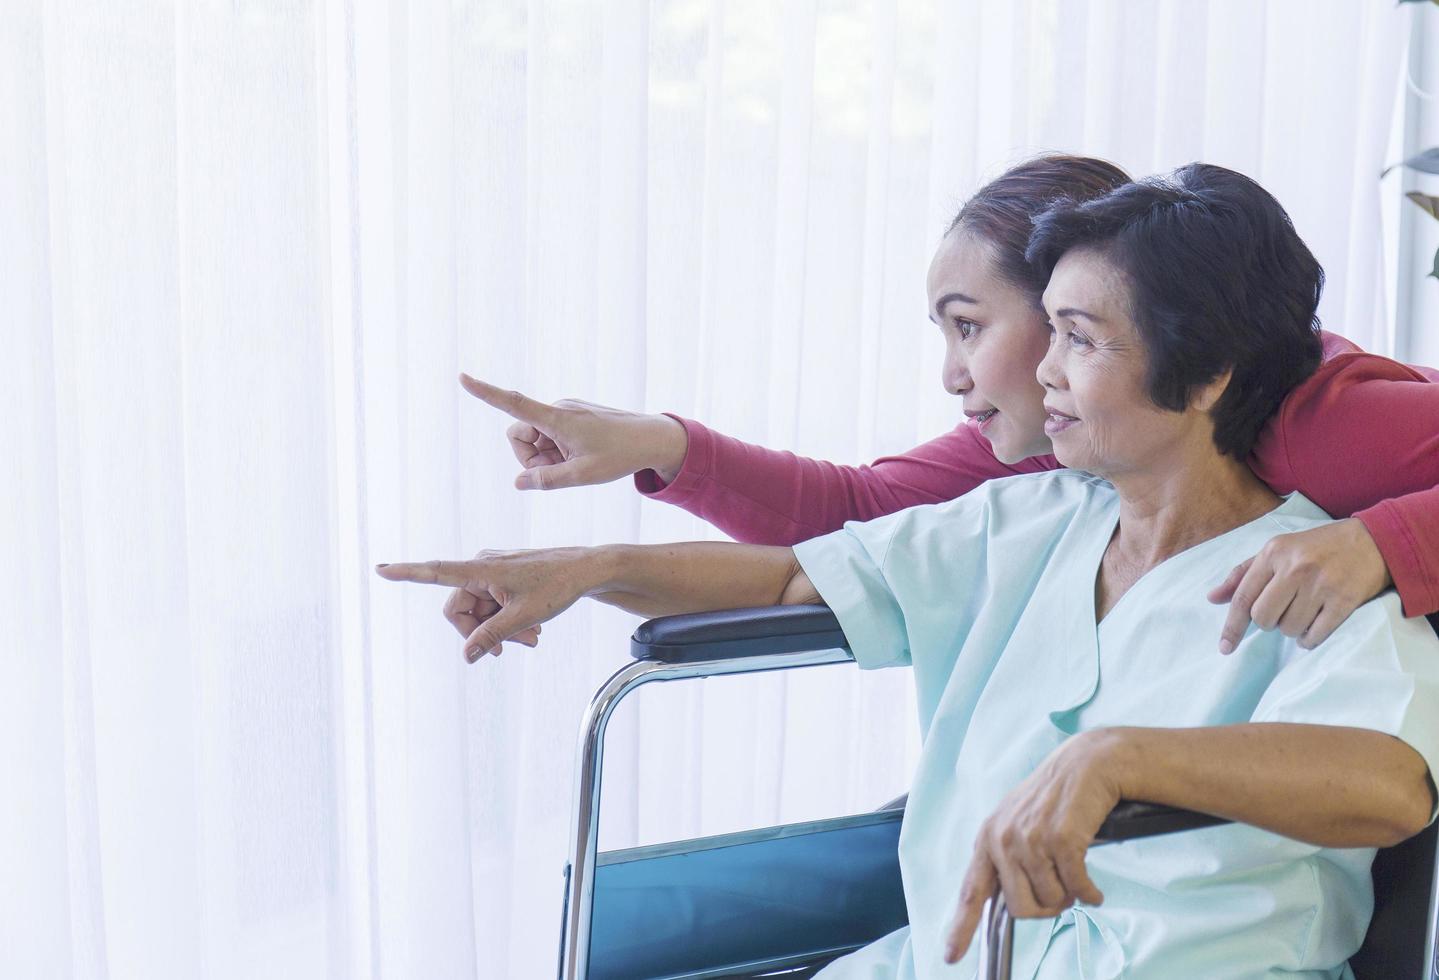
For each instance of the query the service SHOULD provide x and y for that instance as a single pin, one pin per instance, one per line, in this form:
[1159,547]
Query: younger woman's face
[995,335]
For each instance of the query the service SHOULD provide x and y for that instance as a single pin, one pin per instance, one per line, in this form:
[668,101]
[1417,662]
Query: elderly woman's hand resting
[1033,845]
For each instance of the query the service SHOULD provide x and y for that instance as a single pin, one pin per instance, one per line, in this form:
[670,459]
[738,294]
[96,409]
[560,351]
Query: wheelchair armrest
[735,633]
[1131,821]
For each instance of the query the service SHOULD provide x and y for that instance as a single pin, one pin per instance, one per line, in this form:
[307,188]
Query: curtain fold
[245,248]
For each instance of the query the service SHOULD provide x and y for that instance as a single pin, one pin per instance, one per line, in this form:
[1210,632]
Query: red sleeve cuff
[694,471]
[1413,566]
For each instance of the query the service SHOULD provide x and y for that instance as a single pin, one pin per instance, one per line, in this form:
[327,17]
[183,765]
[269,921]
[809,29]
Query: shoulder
[1295,513]
[1406,643]
[1054,497]
[1334,343]
[1054,485]
[1037,502]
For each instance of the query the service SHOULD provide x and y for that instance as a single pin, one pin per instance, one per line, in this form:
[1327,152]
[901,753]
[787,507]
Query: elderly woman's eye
[1077,339]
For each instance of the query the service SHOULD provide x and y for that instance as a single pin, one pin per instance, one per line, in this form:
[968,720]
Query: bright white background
[245,247]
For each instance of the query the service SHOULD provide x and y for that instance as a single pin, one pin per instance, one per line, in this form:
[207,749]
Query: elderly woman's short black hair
[1219,281]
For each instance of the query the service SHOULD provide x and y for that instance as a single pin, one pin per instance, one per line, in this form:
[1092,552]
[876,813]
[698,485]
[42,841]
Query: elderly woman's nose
[1048,372]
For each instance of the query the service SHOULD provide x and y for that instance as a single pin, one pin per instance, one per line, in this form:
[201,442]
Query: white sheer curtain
[246,246]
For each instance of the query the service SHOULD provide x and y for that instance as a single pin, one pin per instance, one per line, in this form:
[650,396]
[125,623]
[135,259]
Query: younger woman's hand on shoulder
[1303,584]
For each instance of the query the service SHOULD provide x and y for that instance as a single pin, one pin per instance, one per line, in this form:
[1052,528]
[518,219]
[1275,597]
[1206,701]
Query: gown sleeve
[847,568]
[907,587]
[1378,671]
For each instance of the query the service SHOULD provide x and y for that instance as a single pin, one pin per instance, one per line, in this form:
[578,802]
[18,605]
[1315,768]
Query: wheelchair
[781,902]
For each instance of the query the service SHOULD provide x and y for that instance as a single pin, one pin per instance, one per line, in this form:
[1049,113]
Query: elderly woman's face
[994,338]
[1100,417]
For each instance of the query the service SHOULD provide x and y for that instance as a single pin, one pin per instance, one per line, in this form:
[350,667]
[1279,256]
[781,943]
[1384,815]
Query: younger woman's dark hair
[1219,281]
[1002,212]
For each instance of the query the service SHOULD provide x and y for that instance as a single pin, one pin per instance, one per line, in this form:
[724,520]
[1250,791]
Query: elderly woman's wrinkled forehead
[1088,283]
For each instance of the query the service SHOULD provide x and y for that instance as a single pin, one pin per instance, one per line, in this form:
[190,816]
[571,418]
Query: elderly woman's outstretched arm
[505,595]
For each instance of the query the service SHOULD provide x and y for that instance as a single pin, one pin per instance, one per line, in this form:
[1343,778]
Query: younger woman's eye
[966,328]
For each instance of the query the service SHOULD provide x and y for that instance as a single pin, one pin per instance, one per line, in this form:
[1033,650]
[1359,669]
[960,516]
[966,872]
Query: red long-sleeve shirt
[1359,438]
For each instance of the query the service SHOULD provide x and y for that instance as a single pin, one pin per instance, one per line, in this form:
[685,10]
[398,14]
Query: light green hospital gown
[991,599]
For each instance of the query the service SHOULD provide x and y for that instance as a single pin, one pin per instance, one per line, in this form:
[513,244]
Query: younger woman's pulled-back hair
[1219,281]
[1002,212]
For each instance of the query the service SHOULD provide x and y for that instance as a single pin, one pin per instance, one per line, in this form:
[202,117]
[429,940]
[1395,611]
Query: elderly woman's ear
[1205,397]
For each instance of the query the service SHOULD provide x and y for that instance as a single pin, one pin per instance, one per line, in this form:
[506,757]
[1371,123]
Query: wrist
[604,568]
[1115,755]
[1364,544]
[671,442]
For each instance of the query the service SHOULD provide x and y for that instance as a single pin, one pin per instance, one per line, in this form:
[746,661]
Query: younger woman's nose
[954,373]
[957,383]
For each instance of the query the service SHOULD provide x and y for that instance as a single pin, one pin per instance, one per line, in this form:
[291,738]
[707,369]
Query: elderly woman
[1060,643]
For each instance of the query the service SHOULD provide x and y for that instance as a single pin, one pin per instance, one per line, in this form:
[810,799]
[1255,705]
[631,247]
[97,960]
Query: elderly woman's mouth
[1056,422]
[982,417]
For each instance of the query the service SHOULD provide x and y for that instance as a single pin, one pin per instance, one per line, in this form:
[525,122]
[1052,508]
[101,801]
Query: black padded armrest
[732,633]
[1130,821]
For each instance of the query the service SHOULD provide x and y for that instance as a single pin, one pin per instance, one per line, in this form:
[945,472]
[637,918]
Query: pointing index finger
[512,403]
[1241,606]
[451,573]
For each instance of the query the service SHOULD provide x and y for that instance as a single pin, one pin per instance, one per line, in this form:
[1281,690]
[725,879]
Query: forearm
[771,497]
[698,576]
[1330,786]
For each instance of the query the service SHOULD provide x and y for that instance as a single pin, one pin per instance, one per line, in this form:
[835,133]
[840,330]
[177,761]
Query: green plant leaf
[1435,270]
[1428,202]
[1426,161]
[1436,2]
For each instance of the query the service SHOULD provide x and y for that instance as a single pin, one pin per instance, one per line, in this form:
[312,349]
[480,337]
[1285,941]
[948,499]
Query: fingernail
[473,654]
[383,564]
[1226,646]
